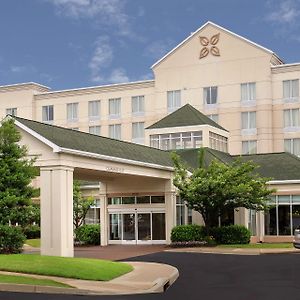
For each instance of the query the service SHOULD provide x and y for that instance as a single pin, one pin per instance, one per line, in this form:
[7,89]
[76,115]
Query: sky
[68,44]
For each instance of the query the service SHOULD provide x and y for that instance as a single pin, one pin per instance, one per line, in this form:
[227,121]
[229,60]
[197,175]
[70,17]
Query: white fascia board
[38,136]
[286,65]
[115,159]
[220,27]
[284,181]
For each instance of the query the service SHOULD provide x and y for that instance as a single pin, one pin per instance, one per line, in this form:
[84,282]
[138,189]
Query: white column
[57,211]
[260,225]
[104,222]
[170,200]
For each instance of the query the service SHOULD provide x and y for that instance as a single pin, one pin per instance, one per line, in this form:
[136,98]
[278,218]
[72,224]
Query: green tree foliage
[16,174]
[81,205]
[218,187]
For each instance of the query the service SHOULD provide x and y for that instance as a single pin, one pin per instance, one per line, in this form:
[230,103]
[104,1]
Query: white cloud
[284,12]
[22,69]
[105,12]
[118,76]
[158,49]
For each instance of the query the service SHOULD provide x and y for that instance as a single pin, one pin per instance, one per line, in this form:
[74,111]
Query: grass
[15,279]
[36,243]
[259,246]
[78,268]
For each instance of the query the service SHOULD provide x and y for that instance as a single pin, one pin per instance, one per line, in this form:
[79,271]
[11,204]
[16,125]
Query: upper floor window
[292,146]
[248,91]
[95,130]
[214,117]
[47,113]
[138,105]
[72,112]
[94,109]
[210,95]
[11,111]
[114,108]
[174,100]
[249,122]
[218,142]
[115,131]
[291,90]
[249,147]
[138,132]
[291,118]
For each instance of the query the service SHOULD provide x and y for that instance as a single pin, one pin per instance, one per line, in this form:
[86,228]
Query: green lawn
[259,246]
[15,279]
[79,268]
[36,243]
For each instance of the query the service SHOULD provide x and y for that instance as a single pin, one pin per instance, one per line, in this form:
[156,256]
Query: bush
[32,232]
[88,234]
[188,233]
[233,234]
[11,239]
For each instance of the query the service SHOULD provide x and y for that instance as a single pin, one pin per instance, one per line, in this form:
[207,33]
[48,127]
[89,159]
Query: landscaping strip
[36,243]
[259,246]
[78,268]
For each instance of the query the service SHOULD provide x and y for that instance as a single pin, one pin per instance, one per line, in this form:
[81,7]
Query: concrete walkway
[145,278]
[237,251]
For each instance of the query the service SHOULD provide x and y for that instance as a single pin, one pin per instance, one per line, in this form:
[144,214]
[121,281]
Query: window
[249,122]
[291,118]
[174,100]
[138,132]
[210,95]
[292,146]
[75,128]
[179,140]
[115,131]
[114,108]
[214,117]
[94,110]
[72,112]
[11,111]
[284,217]
[248,92]
[138,105]
[47,113]
[183,213]
[143,199]
[218,142]
[95,130]
[249,147]
[291,90]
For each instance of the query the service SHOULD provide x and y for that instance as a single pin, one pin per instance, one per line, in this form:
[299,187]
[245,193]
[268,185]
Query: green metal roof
[77,140]
[187,115]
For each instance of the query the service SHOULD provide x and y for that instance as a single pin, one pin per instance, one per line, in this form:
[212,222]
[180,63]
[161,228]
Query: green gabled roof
[187,115]
[279,166]
[77,140]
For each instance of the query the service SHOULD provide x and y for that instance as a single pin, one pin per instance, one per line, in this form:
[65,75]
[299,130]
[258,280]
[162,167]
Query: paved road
[214,276]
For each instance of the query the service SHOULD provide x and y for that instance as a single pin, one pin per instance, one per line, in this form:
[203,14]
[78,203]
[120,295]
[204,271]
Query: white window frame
[138,105]
[248,130]
[114,108]
[248,97]
[73,117]
[13,111]
[95,129]
[207,96]
[291,122]
[46,113]
[94,105]
[288,94]
[173,100]
[112,131]
[138,127]
[291,144]
[249,147]
[214,117]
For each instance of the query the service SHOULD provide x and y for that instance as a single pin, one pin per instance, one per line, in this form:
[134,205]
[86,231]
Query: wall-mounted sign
[209,45]
[114,169]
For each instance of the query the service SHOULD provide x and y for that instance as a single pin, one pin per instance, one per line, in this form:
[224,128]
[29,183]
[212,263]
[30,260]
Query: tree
[81,205]
[16,174]
[219,187]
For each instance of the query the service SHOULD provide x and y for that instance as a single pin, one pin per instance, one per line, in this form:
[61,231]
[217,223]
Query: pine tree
[16,174]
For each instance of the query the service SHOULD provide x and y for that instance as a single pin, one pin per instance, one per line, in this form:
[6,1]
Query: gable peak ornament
[209,45]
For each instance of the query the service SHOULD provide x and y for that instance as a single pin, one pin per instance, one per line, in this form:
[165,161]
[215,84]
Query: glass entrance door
[129,232]
[143,228]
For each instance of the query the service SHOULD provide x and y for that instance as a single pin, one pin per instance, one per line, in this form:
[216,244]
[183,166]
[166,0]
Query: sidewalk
[145,278]
[236,251]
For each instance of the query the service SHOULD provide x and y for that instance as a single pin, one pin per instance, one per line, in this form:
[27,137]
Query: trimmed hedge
[88,234]
[32,231]
[11,239]
[188,233]
[233,234]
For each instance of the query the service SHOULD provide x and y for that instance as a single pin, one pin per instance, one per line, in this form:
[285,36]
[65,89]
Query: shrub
[11,239]
[32,231]
[188,233]
[233,234]
[88,234]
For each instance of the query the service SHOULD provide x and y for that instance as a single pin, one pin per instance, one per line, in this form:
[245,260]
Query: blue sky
[75,43]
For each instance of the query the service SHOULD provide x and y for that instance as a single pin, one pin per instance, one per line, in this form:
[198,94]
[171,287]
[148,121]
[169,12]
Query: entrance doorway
[137,227]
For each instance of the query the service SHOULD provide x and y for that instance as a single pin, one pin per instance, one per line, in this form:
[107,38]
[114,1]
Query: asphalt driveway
[215,276]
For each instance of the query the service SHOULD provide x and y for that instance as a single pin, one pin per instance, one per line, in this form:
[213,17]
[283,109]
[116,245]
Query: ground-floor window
[284,217]
[93,214]
[183,213]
